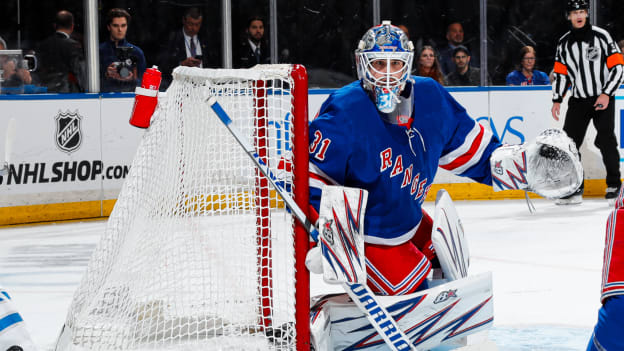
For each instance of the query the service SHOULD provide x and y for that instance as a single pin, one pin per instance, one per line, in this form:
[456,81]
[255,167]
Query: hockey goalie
[387,134]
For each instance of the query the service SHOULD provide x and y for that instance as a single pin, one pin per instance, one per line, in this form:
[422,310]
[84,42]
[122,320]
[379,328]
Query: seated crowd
[62,67]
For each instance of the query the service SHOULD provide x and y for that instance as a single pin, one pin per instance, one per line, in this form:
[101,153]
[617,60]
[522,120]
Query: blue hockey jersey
[351,145]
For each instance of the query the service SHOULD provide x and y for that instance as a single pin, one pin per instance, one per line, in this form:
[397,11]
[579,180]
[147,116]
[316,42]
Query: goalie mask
[384,62]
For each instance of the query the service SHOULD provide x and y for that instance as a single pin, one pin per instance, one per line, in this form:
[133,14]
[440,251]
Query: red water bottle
[146,98]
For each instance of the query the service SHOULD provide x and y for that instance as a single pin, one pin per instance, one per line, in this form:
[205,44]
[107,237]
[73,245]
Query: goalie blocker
[549,166]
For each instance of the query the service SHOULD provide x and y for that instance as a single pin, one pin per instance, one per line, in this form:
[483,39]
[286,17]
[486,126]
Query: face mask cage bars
[384,78]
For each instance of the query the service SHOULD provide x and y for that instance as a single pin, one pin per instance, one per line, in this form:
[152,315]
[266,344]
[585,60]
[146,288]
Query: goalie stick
[8,147]
[361,295]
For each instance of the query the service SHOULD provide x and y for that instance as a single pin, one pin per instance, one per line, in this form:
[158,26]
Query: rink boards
[72,152]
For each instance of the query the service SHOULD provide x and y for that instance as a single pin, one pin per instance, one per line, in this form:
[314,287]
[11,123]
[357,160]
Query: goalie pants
[580,113]
[401,269]
[608,332]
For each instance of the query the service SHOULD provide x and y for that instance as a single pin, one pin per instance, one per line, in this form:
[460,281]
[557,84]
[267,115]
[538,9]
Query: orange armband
[615,59]
[560,68]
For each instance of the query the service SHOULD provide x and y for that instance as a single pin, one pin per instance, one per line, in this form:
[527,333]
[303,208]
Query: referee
[589,61]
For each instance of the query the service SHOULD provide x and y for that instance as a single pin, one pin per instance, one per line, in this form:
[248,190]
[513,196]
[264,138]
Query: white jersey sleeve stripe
[463,148]
[476,157]
[469,153]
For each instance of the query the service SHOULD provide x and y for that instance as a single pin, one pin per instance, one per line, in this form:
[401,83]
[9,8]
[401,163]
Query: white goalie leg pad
[448,238]
[444,315]
[341,234]
[12,329]
[320,323]
[548,166]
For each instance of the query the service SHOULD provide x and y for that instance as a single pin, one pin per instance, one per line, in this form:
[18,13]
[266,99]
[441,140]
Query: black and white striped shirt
[591,67]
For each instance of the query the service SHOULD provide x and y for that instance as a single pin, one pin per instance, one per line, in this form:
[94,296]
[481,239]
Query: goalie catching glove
[549,166]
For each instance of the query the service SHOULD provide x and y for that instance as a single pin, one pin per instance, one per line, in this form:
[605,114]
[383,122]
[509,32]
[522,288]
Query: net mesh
[198,251]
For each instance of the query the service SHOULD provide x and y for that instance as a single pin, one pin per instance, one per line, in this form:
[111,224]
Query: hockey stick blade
[8,146]
[378,316]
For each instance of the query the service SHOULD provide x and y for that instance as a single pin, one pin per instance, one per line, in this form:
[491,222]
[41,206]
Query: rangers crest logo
[68,131]
[445,295]
[328,233]
[498,167]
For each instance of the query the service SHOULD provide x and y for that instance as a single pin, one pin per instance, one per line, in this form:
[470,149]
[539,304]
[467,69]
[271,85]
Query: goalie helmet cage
[199,252]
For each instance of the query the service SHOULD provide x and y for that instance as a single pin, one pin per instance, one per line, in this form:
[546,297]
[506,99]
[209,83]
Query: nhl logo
[68,131]
[593,53]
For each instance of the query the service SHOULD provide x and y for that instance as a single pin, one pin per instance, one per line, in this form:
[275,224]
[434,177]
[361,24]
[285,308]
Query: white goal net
[199,252]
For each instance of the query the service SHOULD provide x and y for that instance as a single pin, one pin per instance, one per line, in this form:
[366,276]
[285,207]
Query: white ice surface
[546,268]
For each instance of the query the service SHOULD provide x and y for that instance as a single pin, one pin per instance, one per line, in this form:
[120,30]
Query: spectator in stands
[455,38]
[13,75]
[526,74]
[427,65]
[121,64]
[186,47]
[404,29]
[464,75]
[253,49]
[61,58]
